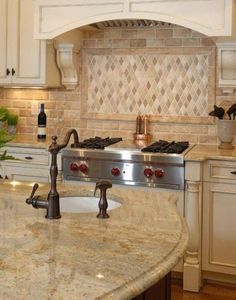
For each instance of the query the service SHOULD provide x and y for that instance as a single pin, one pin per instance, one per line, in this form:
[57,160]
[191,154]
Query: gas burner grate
[167,147]
[98,142]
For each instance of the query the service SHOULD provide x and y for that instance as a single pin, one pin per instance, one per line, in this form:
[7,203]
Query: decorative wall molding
[169,84]
[53,17]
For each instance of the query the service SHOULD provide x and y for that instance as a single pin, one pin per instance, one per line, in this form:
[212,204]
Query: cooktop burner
[98,142]
[167,147]
[160,146]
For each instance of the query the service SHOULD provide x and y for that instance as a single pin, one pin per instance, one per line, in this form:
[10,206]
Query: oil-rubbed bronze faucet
[52,203]
[103,185]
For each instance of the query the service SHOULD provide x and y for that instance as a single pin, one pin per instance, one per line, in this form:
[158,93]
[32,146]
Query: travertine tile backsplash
[160,82]
[67,109]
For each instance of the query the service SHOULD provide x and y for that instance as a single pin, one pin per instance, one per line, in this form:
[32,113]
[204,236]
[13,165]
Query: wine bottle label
[41,130]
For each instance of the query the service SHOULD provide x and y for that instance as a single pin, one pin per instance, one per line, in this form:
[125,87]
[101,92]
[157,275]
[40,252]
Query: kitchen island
[82,257]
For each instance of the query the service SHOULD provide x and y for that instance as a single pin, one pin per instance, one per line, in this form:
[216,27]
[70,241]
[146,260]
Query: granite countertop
[204,152]
[199,152]
[82,257]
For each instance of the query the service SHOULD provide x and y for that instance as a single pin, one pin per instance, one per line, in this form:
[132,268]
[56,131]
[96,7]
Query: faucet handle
[102,185]
[34,189]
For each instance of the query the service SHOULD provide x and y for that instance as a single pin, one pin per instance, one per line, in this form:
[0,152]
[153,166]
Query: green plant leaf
[4,156]
[3,113]
[12,119]
[4,139]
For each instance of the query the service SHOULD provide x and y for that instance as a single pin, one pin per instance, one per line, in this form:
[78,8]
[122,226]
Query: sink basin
[84,204]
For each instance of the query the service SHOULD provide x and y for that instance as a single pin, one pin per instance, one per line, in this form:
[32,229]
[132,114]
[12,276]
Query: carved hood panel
[210,17]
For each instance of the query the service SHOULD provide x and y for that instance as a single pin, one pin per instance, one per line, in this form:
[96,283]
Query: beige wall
[63,107]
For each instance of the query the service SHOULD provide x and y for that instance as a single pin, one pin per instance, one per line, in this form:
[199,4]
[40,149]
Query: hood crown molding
[210,17]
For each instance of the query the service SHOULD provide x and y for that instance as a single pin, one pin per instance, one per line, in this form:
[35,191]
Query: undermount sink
[84,204]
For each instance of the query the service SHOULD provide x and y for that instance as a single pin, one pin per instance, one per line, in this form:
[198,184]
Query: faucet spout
[52,204]
[54,147]
[53,211]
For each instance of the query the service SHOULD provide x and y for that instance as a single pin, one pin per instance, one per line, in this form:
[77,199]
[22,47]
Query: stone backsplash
[175,121]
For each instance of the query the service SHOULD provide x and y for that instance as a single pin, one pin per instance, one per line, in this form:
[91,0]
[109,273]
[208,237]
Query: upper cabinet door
[27,55]
[28,61]
[4,71]
[23,59]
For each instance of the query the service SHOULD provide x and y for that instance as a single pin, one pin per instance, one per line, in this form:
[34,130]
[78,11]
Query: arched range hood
[210,17]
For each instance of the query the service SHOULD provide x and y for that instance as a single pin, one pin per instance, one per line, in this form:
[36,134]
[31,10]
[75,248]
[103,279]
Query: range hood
[210,17]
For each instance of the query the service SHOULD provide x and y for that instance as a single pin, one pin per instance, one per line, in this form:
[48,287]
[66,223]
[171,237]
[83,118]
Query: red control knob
[74,166]
[148,172]
[159,173]
[115,171]
[83,168]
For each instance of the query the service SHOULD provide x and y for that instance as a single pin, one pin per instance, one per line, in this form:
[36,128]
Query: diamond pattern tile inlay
[155,84]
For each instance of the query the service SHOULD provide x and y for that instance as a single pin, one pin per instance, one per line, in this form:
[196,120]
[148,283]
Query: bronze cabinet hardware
[233,172]
[103,185]
[52,203]
[12,72]
[28,157]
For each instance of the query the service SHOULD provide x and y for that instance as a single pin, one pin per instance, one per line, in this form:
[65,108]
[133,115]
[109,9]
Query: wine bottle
[42,122]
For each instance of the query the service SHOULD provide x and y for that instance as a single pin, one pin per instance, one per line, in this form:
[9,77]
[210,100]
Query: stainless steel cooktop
[124,162]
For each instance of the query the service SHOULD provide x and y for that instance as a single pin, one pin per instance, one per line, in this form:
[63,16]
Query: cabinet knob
[1,176]
[28,157]
[13,71]
[7,72]
[234,172]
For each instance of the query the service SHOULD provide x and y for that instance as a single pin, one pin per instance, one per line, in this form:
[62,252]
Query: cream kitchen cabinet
[24,61]
[219,221]
[33,164]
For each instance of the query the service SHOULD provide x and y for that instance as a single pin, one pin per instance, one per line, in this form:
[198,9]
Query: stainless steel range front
[122,163]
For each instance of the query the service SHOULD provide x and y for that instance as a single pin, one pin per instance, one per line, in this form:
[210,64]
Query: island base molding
[219,278]
[192,278]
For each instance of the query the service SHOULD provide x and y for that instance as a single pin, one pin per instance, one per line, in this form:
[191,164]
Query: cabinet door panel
[27,155]
[19,177]
[28,60]
[219,223]
[3,42]
[27,174]
[220,171]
